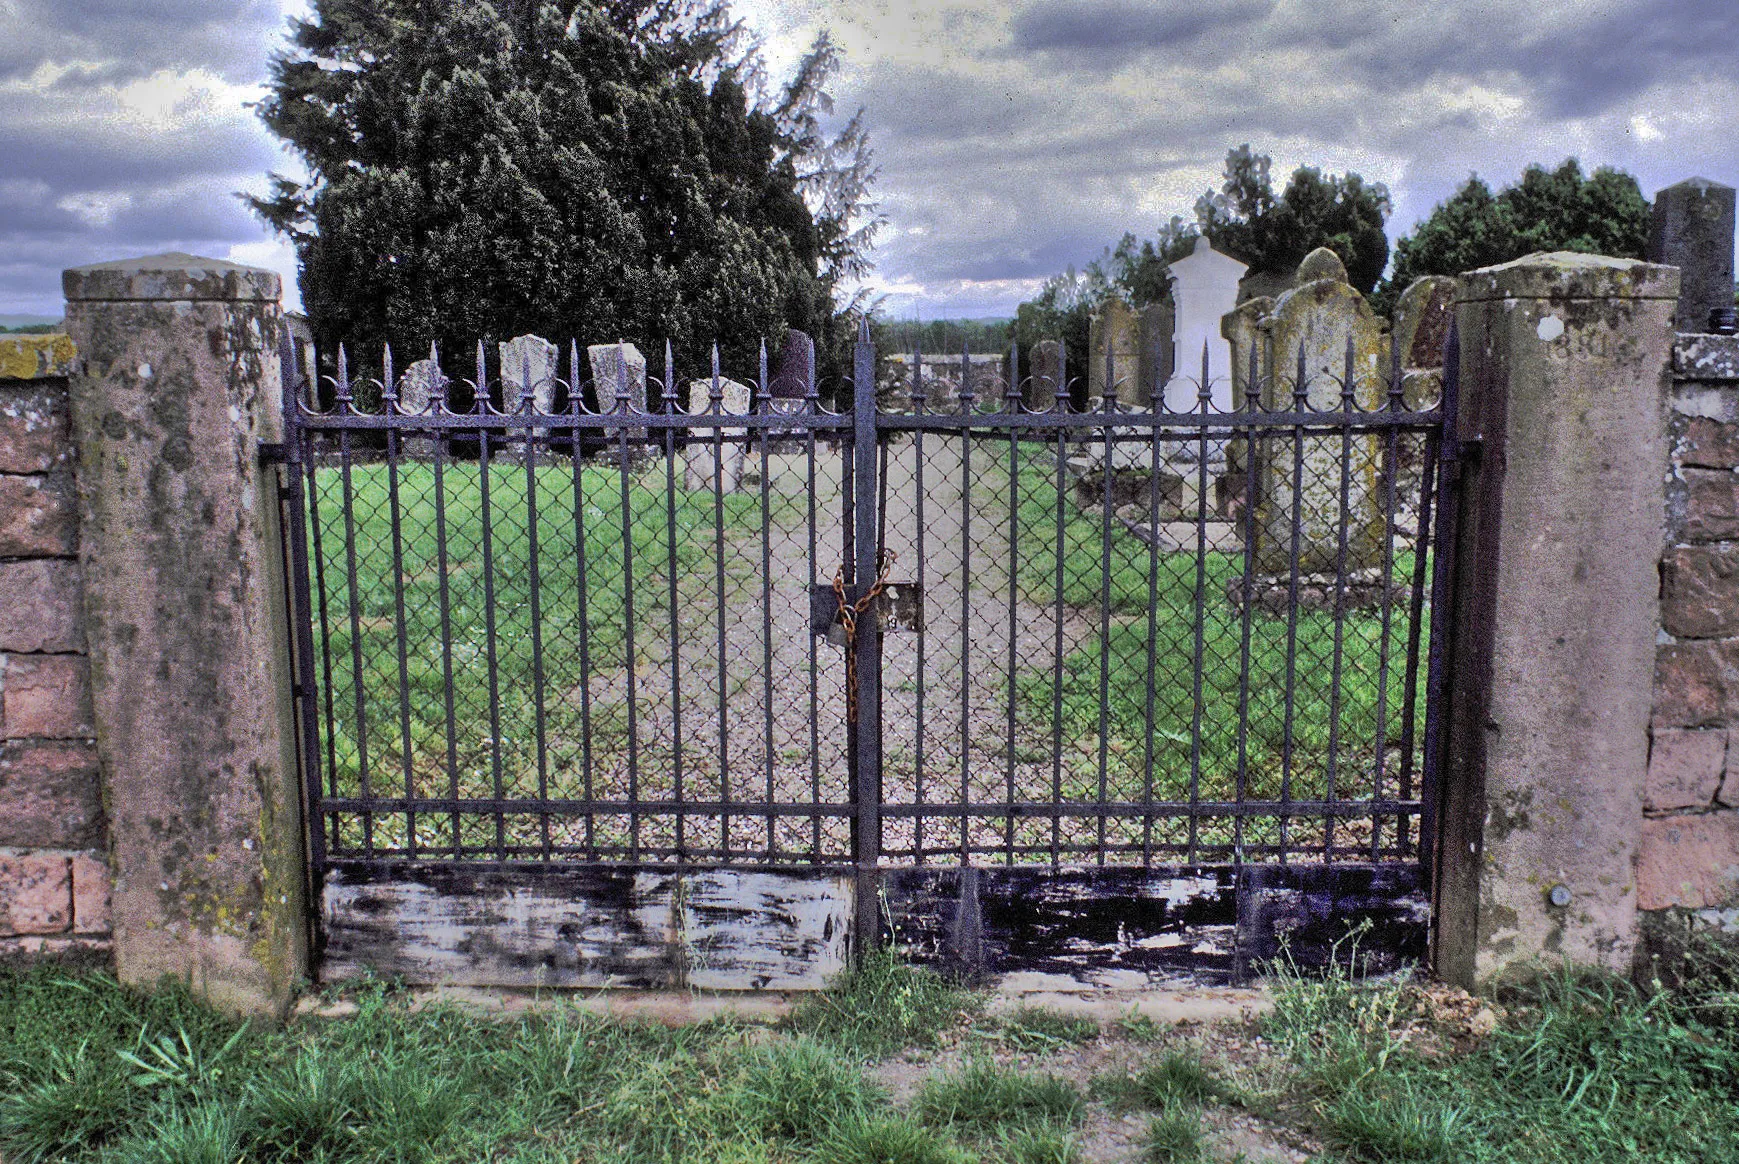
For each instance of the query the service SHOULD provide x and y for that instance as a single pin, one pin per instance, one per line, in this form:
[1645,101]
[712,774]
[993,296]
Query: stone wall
[54,881]
[1689,856]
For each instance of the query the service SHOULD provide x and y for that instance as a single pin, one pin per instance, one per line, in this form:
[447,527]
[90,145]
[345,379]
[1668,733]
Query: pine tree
[596,169]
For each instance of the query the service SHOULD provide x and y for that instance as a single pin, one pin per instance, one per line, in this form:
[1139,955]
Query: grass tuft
[1174,1136]
[1039,1028]
[983,1097]
[884,1005]
[886,1140]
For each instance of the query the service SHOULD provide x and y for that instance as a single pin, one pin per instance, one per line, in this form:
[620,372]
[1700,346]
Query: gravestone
[613,365]
[1116,332]
[794,370]
[529,362]
[1044,376]
[1691,228]
[1204,288]
[1318,316]
[701,468]
[420,386]
[1422,318]
[1158,353]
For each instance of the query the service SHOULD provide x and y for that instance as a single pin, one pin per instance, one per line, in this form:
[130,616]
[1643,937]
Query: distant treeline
[31,329]
[943,337]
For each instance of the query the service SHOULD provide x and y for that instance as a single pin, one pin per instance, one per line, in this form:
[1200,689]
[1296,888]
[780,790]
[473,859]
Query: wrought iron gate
[1136,684]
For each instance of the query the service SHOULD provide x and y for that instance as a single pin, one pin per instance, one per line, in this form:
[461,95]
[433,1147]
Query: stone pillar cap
[1696,184]
[1570,275]
[173,277]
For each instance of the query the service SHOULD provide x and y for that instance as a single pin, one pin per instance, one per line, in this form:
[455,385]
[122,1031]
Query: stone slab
[36,357]
[45,696]
[38,516]
[34,436]
[52,793]
[1699,591]
[41,608]
[35,893]
[1711,505]
[1706,357]
[1709,443]
[1689,861]
[91,885]
[174,277]
[1684,769]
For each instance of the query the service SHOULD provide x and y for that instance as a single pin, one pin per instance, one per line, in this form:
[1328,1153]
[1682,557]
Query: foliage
[1546,210]
[940,337]
[599,169]
[1273,233]
[985,1098]
[883,1004]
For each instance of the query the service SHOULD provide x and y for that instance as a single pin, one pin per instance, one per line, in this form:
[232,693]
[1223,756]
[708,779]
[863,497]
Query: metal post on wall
[865,733]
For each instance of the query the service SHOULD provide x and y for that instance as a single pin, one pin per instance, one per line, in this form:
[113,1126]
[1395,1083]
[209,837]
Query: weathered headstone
[530,362]
[701,468]
[1692,229]
[1317,317]
[794,370]
[609,362]
[420,386]
[1158,352]
[1116,332]
[1245,330]
[1205,288]
[1422,318]
[1044,377]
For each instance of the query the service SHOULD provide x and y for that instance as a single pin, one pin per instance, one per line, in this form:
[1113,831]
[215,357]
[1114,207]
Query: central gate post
[865,735]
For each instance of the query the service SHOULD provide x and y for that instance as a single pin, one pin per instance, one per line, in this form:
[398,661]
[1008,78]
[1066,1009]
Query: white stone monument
[1204,288]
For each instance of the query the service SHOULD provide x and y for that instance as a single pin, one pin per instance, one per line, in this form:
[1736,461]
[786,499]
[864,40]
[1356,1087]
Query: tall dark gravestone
[1692,230]
[795,369]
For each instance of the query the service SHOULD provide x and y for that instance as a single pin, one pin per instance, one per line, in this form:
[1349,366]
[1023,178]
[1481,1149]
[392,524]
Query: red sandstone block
[45,696]
[35,893]
[1709,444]
[90,894]
[38,517]
[41,608]
[1684,768]
[1690,861]
[33,429]
[1700,591]
[52,794]
[1712,505]
[1690,684]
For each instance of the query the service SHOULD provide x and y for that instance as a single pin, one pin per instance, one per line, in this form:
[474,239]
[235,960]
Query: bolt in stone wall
[54,889]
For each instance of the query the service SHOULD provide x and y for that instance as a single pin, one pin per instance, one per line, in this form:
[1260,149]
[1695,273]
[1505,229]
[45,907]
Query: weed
[793,1089]
[1174,1136]
[1037,1028]
[207,1134]
[886,1140]
[884,1005]
[1177,1077]
[1392,1123]
[82,1102]
[985,1098]
[1044,1145]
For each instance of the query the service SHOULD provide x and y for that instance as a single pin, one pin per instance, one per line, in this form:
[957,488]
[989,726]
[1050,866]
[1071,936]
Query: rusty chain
[848,616]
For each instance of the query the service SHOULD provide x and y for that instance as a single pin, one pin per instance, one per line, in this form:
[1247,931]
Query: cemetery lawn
[1318,675]
[893,1066]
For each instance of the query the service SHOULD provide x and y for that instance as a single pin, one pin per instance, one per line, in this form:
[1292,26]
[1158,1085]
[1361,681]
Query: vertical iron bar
[364,789]
[866,744]
[919,402]
[489,627]
[811,409]
[1390,434]
[1416,615]
[766,406]
[325,612]
[1252,405]
[446,604]
[1348,404]
[630,656]
[675,602]
[527,407]
[1300,404]
[297,477]
[966,402]
[389,401]
[1062,406]
[715,404]
[1106,469]
[1204,401]
[1156,457]
[1012,405]
[1442,579]
[582,572]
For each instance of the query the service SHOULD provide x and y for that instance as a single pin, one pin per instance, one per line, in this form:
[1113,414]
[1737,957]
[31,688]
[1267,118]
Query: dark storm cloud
[125,39]
[1118,29]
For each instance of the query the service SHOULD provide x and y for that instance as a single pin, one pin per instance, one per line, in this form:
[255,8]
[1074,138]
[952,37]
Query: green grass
[1038,1028]
[360,634]
[883,1005]
[1239,683]
[1581,1067]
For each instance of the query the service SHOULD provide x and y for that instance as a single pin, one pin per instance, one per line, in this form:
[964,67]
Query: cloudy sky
[1015,137]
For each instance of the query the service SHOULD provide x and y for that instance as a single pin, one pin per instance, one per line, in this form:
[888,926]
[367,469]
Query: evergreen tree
[1557,210]
[1273,233]
[600,169]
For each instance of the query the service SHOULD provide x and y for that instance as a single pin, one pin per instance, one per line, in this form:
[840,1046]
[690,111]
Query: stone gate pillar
[1564,363]
[183,589]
